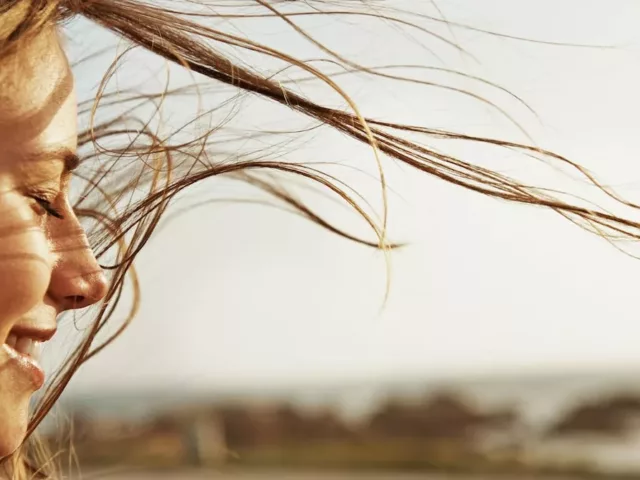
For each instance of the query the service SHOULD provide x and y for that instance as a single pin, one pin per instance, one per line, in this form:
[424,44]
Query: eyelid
[46,198]
[48,194]
[49,209]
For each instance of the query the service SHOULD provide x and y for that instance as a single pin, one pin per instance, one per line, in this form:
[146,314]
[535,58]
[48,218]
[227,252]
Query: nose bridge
[77,279]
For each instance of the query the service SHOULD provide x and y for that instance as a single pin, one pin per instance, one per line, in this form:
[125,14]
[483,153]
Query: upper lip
[35,333]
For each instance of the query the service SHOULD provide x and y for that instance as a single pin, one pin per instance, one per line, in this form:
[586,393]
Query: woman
[48,263]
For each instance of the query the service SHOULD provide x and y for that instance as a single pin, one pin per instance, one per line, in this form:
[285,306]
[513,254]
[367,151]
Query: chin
[14,417]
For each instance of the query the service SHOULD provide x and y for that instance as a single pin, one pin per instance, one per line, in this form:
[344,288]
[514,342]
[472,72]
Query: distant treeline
[446,428]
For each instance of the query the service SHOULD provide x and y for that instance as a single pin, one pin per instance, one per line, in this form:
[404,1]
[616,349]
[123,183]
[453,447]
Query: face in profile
[46,265]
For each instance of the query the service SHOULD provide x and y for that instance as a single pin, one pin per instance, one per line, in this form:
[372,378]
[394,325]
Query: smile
[23,346]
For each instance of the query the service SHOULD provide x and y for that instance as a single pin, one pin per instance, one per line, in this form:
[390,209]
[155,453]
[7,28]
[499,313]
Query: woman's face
[46,265]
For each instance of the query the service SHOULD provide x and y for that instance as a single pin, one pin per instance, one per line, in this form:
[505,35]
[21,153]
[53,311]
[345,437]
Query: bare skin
[46,265]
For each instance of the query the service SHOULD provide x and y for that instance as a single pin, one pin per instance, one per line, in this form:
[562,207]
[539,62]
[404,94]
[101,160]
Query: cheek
[25,259]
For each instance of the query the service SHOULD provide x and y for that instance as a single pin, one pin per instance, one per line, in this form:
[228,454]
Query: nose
[77,281]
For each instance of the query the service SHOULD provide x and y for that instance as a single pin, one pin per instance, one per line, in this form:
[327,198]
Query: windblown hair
[129,187]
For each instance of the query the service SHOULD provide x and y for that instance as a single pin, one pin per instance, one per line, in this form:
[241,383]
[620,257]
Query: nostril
[77,290]
[77,301]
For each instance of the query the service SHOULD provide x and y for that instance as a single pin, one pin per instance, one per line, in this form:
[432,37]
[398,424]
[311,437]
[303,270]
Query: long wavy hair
[132,172]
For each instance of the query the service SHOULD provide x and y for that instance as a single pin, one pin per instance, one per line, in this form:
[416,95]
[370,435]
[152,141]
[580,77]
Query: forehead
[37,99]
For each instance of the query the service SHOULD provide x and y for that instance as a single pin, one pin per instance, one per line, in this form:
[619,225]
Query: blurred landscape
[563,426]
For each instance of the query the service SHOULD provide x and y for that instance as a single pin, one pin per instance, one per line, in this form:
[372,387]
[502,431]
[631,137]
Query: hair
[132,173]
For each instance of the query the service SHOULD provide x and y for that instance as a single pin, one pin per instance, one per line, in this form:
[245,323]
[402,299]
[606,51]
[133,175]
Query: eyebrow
[69,157]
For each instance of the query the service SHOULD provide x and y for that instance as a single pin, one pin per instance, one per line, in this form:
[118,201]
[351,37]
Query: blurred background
[510,344]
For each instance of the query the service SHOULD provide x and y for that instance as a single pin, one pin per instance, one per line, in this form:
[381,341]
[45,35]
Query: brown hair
[164,166]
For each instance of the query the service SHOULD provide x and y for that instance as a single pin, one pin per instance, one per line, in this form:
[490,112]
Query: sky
[241,295]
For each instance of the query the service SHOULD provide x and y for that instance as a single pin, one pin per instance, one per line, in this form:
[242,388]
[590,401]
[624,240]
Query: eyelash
[47,207]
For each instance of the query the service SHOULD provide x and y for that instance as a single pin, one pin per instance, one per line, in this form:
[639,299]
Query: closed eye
[48,208]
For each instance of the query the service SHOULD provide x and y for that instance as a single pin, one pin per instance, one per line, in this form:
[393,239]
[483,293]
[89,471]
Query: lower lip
[27,364]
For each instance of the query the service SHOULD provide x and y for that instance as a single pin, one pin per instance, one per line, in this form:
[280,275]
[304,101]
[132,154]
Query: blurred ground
[279,475]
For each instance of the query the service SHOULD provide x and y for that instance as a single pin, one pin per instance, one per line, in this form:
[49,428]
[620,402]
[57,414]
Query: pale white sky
[245,296]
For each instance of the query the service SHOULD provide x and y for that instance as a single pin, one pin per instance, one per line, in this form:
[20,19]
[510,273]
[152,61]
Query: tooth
[36,350]
[24,345]
[11,340]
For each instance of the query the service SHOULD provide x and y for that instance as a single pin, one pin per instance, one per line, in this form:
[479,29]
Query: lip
[39,334]
[29,366]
